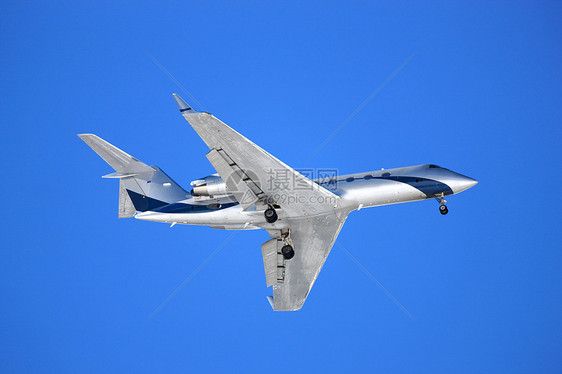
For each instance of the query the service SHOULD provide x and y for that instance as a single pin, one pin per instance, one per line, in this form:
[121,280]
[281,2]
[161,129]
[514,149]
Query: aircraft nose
[464,183]
[471,183]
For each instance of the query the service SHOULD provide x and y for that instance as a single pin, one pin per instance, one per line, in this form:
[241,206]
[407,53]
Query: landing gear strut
[270,215]
[442,207]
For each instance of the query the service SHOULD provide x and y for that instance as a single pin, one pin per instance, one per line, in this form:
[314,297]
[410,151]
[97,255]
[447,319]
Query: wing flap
[272,261]
[236,180]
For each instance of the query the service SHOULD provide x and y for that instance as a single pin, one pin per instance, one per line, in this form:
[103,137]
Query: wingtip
[270,299]
[182,105]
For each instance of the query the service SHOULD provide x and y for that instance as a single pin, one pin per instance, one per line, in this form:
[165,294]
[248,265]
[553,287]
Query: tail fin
[141,187]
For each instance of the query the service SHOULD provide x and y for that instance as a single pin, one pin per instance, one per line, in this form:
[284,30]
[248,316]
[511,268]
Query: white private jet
[254,190]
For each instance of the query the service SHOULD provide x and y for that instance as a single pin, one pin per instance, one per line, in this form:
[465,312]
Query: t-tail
[141,187]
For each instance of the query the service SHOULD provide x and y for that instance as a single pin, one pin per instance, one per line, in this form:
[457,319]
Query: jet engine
[211,185]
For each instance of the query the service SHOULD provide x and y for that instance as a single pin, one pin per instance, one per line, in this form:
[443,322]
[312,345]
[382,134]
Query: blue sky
[481,95]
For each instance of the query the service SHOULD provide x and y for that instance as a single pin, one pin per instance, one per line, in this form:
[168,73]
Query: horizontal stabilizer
[122,162]
[119,175]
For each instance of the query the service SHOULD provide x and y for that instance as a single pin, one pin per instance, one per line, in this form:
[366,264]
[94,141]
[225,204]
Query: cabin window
[386,175]
[350,179]
[368,176]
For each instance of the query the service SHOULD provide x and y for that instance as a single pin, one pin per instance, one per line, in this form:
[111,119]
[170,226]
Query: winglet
[184,107]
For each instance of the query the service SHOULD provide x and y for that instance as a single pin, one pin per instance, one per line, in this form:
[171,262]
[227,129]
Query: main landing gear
[282,235]
[270,215]
[288,252]
[284,240]
[442,207]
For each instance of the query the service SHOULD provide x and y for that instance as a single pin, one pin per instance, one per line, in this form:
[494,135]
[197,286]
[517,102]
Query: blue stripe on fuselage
[191,208]
[429,187]
[144,203]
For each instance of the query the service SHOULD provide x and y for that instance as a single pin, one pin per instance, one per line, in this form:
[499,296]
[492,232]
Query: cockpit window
[433,166]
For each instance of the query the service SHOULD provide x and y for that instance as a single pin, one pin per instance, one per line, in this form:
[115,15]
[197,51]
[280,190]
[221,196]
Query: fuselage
[400,185]
[360,190]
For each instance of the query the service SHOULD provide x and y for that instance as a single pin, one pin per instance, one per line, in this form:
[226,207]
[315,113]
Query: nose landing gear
[442,207]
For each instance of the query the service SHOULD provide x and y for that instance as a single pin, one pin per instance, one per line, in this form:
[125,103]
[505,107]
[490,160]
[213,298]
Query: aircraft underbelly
[221,217]
[383,193]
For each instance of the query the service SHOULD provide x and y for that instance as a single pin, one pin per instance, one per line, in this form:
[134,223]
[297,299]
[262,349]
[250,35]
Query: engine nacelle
[211,185]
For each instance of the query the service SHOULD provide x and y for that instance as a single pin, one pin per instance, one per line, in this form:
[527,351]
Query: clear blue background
[482,96]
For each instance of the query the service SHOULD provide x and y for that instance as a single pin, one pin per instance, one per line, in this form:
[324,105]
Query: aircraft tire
[270,215]
[443,209]
[288,252]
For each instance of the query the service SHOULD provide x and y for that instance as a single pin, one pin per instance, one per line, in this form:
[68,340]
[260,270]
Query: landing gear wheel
[270,215]
[288,252]
[443,209]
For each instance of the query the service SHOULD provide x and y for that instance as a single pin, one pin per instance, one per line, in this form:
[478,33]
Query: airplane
[254,190]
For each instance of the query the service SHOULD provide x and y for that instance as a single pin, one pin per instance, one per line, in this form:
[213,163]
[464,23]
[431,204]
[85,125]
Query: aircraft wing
[312,214]
[312,238]
[252,174]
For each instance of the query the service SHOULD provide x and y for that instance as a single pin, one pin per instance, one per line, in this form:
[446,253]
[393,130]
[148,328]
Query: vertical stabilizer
[141,187]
